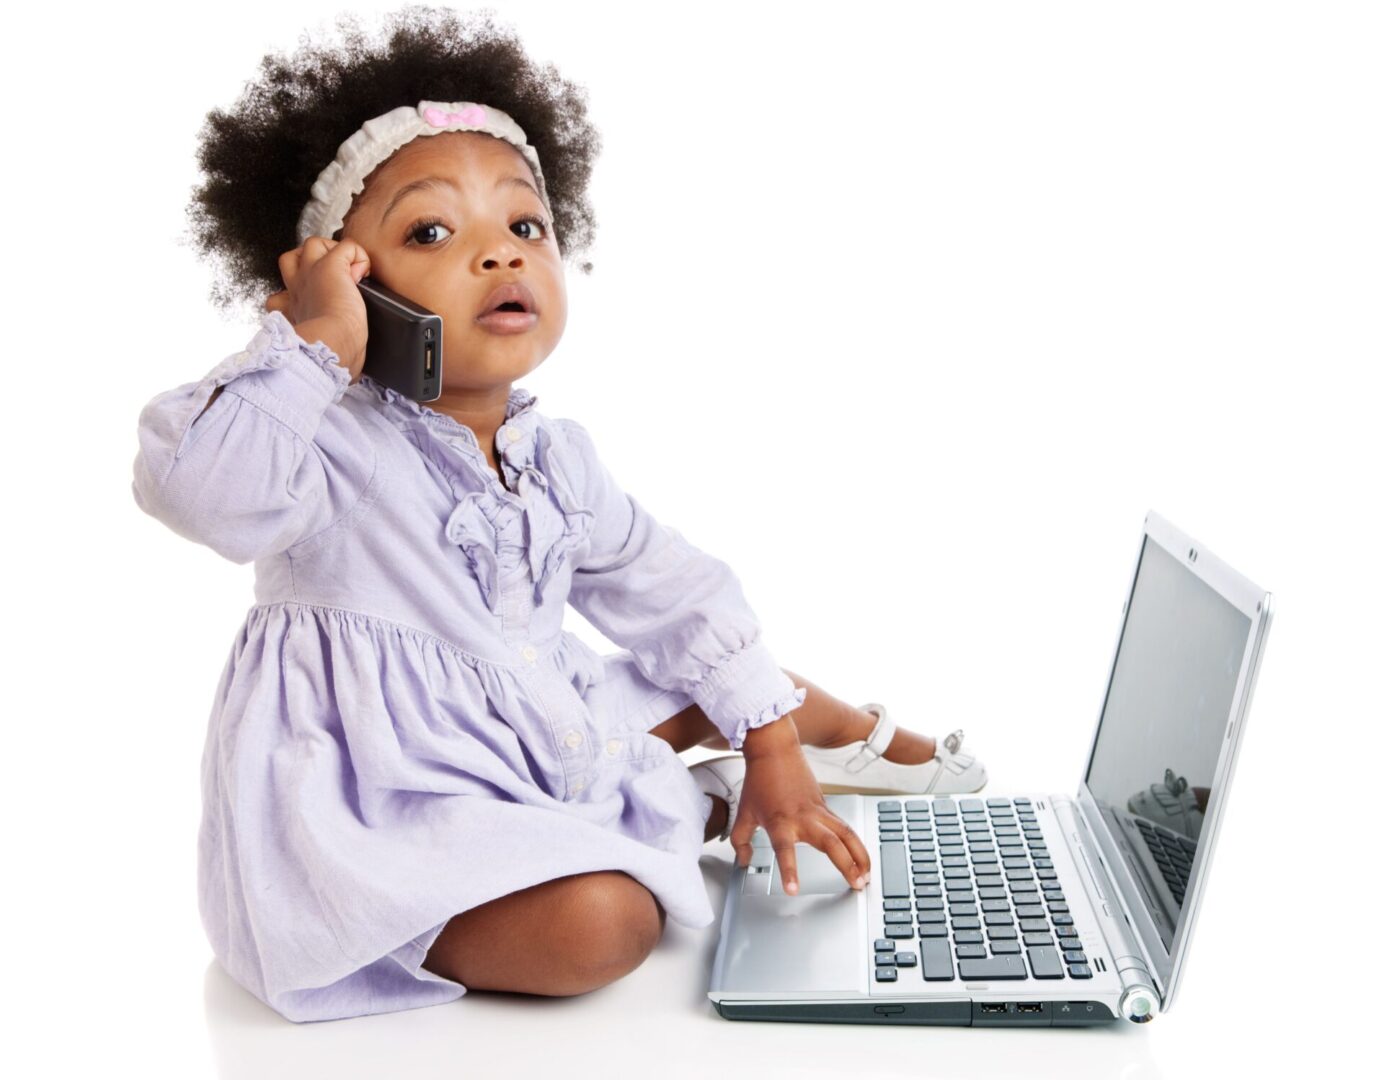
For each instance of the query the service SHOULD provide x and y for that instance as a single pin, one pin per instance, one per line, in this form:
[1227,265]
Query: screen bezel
[1256,605]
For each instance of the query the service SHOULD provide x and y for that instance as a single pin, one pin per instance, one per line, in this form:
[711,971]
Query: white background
[910,313]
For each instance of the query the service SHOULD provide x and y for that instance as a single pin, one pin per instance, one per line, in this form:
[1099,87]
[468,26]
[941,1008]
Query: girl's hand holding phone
[321,298]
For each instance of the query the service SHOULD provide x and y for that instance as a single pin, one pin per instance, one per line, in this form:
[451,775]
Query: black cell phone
[403,349]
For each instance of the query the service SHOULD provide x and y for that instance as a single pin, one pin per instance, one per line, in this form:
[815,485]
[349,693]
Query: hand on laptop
[781,794]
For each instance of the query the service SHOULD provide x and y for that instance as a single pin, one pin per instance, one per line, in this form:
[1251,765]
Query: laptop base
[934,1013]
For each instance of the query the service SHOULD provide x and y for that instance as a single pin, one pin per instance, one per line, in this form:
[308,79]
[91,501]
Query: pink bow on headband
[472,115]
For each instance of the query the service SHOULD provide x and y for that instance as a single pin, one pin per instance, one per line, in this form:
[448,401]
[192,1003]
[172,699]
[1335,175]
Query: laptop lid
[1160,765]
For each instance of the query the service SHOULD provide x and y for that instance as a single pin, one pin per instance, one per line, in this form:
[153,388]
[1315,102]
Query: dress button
[530,653]
[573,738]
[513,434]
[613,747]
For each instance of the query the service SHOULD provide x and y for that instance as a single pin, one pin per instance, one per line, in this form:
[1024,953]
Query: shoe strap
[873,748]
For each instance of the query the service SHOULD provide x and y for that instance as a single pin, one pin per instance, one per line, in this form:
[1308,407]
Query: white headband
[341,181]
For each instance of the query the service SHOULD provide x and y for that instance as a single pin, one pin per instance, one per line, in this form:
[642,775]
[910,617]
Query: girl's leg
[821,720]
[558,938]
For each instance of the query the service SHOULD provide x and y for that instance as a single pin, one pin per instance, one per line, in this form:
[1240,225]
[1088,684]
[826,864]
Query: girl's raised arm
[680,612]
[269,463]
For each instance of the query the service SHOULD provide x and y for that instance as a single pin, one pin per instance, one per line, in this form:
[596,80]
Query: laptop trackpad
[811,942]
[816,873]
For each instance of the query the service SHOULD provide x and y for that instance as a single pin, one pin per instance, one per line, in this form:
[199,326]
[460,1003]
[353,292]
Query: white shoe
[722,777]
[862,767]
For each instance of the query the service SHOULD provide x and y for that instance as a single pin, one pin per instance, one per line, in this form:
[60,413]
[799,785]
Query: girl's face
[473,221]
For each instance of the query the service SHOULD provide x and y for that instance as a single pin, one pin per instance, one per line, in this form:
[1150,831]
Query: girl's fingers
[288,266]
[787,854]
[856,846]
[842,858]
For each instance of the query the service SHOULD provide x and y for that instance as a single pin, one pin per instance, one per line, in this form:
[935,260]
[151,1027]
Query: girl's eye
[534,219]
[436,223]
[423,226]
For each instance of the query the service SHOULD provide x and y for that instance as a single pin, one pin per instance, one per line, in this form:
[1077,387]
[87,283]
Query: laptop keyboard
[970,882]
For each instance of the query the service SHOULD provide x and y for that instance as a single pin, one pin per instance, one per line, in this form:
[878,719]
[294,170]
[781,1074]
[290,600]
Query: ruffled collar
[520,401]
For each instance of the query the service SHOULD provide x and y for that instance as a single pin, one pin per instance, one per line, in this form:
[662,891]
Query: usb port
[1030,1007]
[428,362]
[986,1007]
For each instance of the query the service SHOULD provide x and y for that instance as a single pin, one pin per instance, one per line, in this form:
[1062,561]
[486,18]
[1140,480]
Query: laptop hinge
[1132,963]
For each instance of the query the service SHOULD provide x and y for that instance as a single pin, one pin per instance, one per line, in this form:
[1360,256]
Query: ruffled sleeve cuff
[291,379]
[748,691]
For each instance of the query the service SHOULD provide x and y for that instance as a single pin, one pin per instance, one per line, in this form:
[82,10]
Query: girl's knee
[615,922]
[562,937]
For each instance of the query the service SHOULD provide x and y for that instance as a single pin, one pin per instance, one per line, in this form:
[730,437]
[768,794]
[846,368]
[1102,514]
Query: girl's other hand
[320,297]
[781,794]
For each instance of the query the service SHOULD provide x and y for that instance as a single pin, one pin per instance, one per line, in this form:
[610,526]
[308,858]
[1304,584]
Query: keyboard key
[994,967]
[1029,911]
[1074,956]
[1045,962]
[1062,920]
[998,933]
[1079,971]
[969,922]
[883,945]
[968,937]
[932,916]
[1066,931]
[888,804]
[898,905]
[1033,926]
[931,930]
[906,959]
[999,918]
[902,932]
[884,959]
[894,869]
[1029,939]
[1001,948]
[969,952]
[937,960]
[887,974]
[895,918]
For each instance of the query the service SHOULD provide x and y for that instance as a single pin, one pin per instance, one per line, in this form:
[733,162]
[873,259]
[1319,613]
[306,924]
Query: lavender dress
[403,730]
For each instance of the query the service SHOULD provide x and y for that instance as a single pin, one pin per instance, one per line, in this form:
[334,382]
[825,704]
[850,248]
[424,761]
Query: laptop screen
[1164,721]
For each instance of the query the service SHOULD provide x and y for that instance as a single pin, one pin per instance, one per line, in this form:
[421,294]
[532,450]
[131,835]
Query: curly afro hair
[261,158]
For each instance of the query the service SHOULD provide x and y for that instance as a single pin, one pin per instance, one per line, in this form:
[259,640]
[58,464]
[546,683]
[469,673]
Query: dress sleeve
[270,464]
[680,612]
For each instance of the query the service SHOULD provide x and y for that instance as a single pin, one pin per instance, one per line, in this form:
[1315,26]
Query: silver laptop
[1044,910]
